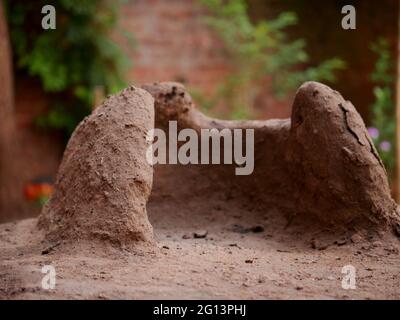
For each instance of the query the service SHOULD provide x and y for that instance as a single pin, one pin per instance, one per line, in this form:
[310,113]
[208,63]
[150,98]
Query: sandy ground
[231,262]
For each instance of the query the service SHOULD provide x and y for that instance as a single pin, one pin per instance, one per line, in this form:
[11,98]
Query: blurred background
[240,59]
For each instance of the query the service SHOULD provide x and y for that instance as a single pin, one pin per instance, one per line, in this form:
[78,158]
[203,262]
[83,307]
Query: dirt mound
[104,180]
[337,171]
[318,167]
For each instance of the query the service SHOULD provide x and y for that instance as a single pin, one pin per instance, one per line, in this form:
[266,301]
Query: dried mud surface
[284,232]
[104,180]
[278,263]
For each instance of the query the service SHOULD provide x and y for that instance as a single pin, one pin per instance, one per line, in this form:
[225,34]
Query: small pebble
[257,229]
[201,234]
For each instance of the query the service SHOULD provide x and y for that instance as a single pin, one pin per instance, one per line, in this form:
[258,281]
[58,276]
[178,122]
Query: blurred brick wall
[173,43]
[36,153]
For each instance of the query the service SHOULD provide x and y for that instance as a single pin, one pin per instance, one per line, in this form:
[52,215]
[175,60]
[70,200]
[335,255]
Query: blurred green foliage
[257,51]
[72,60]
[383,121]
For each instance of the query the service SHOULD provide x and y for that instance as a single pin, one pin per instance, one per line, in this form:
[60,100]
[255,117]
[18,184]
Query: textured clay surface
[104,180]
[318,167]
[339,176]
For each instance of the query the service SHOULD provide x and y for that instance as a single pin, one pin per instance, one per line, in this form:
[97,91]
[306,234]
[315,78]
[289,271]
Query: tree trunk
[6,120]
[397,188]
